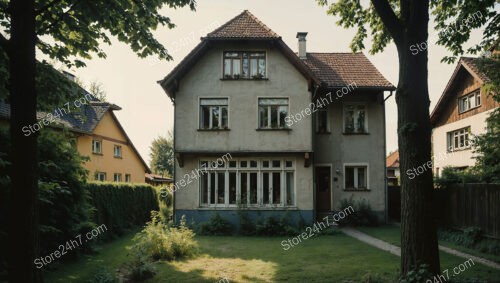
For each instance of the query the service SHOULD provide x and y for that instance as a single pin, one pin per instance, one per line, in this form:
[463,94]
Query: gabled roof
[341,69]
[330,70]
[465,64]
[392,161]
[243,26]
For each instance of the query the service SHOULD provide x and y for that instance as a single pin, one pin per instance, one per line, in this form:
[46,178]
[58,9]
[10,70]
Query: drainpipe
[386,196]
[313,142]
[174,173]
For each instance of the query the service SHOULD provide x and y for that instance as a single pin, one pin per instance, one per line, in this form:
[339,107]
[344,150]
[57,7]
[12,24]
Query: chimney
[302,45]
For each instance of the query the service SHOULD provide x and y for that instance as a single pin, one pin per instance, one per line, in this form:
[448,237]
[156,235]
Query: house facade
[261,128]
[393,172]
[459,115]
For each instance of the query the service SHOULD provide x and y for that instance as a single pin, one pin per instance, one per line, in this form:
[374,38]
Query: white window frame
[344,111]
[457,135]
[269,114]
[220,106]
[240,58]
[98,176]
[115,175]
[119,147]
[96,149]
[356,166]
[469,101]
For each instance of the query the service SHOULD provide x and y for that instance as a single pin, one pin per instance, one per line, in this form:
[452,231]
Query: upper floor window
[272,113]
[97,146]
[118,151]
[322,123]
[214,113]
[458,139]
[244,64]
[355,119]
[469,101]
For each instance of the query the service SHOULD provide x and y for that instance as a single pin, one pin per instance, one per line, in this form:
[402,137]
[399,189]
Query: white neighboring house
[459,115]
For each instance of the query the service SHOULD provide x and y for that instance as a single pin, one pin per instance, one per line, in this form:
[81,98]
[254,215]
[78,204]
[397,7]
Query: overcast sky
[130,82]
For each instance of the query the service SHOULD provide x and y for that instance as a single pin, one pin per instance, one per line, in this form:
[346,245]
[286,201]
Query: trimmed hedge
[121,206]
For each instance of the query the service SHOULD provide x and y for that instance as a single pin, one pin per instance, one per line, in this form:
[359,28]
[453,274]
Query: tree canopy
[162,155]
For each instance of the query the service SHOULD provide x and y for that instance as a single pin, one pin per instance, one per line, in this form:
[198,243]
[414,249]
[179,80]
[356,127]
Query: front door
[323,195]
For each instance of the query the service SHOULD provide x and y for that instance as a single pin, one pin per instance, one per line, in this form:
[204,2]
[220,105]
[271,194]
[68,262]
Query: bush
[272,227]
[165,202]
[215,226]
[453,176]
[247,226]
[362,215]
[473,238]
[121,206]
[158,241]
[103,276]
[417,275]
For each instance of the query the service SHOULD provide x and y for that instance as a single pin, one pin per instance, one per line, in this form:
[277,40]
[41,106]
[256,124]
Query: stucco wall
[204,80]
[110,134]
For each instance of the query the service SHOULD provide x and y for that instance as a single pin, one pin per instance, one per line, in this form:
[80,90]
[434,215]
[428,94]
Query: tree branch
[389,18]
[58,20]
[4,43]
[46,7]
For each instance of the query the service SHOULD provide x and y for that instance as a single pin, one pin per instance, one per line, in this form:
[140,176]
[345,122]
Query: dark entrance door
[323,189]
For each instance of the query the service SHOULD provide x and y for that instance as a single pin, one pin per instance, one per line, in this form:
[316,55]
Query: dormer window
[244,65]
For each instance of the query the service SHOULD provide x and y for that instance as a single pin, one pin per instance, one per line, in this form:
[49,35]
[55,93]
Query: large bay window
[214,113]
[355,119]
[256,183]
[272,113]
[244,65]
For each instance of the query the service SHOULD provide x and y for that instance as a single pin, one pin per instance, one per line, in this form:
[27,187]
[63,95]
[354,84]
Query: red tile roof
[243,26]
[392,160]
[341,69]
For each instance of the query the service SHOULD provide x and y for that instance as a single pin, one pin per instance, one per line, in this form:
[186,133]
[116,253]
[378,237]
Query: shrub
[247,226]
[362,215]
[103,276]
[272,227]
[121,206]
[165,202]
[472,237]
[215,226]
[417,275]
[159,241]
[451,175]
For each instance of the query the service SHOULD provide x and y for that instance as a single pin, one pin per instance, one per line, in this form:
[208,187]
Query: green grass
[262,259]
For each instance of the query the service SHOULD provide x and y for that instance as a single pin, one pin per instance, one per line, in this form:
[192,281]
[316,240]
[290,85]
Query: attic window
[244,65]
[469,101]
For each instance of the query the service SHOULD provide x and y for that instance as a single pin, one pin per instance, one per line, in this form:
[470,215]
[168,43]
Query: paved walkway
[397,250]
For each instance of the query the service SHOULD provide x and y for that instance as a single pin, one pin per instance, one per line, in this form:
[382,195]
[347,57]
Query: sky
[147,112]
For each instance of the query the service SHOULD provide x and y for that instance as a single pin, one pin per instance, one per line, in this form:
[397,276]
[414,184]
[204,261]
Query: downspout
[175,166]
[386,195]
[313,142]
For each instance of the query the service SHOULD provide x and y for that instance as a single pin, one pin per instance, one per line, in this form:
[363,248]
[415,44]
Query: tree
[405,22]
[64,30]
[162,155]
[97,90]
[487,145]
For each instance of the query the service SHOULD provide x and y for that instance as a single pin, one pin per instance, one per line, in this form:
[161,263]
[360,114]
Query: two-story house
[261,128]
[460,114]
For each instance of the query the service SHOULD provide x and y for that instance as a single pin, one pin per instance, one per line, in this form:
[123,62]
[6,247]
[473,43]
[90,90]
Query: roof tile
[243,26]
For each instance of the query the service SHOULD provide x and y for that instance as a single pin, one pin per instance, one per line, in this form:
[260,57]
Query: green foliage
[451,175]
[215,226]
[247,226]
[472,238]
[162,155]
[487,145]
[103,275]
[417,275]
[270,226]
[363,215]
[166,203]
[121,206]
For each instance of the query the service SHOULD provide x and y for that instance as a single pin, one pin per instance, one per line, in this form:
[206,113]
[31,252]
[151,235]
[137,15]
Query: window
[128,178]
[97,146]
[459,139]
[117,177]
[272,113]
[100,176]
[244,183]
[355,119]
[469,101]
[118,151]
[245,65]
[213,113]
[322,125]
[356,178]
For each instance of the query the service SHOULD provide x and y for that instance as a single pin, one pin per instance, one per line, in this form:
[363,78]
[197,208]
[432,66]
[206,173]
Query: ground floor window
[100,176]
[267,182]
[356,177]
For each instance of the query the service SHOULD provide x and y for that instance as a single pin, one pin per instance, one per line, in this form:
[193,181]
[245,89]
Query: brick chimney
[302,45]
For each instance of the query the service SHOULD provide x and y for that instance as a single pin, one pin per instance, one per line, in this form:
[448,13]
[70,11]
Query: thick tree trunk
[418,230]
[23,210]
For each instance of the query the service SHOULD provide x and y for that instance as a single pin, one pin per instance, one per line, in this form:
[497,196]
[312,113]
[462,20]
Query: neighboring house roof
[392,161]
[331,70]
[82,120]
[465,64]
[158,178]
[341,69]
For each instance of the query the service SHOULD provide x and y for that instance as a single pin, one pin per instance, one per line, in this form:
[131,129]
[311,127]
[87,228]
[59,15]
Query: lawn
[336,258]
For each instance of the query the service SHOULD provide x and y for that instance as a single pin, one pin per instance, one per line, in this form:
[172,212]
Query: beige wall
[108,131]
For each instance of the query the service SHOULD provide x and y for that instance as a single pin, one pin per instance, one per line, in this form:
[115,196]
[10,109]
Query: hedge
[121,206]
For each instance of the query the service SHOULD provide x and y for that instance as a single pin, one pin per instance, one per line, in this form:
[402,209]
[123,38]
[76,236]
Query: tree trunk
[23,209]
[418,229]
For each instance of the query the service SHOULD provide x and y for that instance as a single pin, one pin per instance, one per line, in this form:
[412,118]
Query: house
[98,135]
[158,180]
[459,115]
[392,165]
[260,128]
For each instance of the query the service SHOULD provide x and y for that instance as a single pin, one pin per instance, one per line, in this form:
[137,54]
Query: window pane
[232,164]
[262,67]
[288,163]
[361,177]
[215,117]
[276,188]
[205,117]
[322,121]
[349,177]
[265,188]
[253,67]
[263,119]
[349,119]
[243,164]
[245,73]
[221,187]
[283,111]
[274,116]
[224,121]
[253,188]
[276,163]
[290,192]
[214,101]
[236,67]
[232,187]
[360,124]
[253,164]
[204,189]
[273,101]
[227,67]
[231,54]
[265,164]
[212,188]
[244,187]
[478,99]
[456,142]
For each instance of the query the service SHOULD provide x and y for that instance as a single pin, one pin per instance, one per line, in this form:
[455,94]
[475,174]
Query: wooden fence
[466,205]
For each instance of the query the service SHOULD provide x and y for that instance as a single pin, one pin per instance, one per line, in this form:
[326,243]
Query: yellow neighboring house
[100,136]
